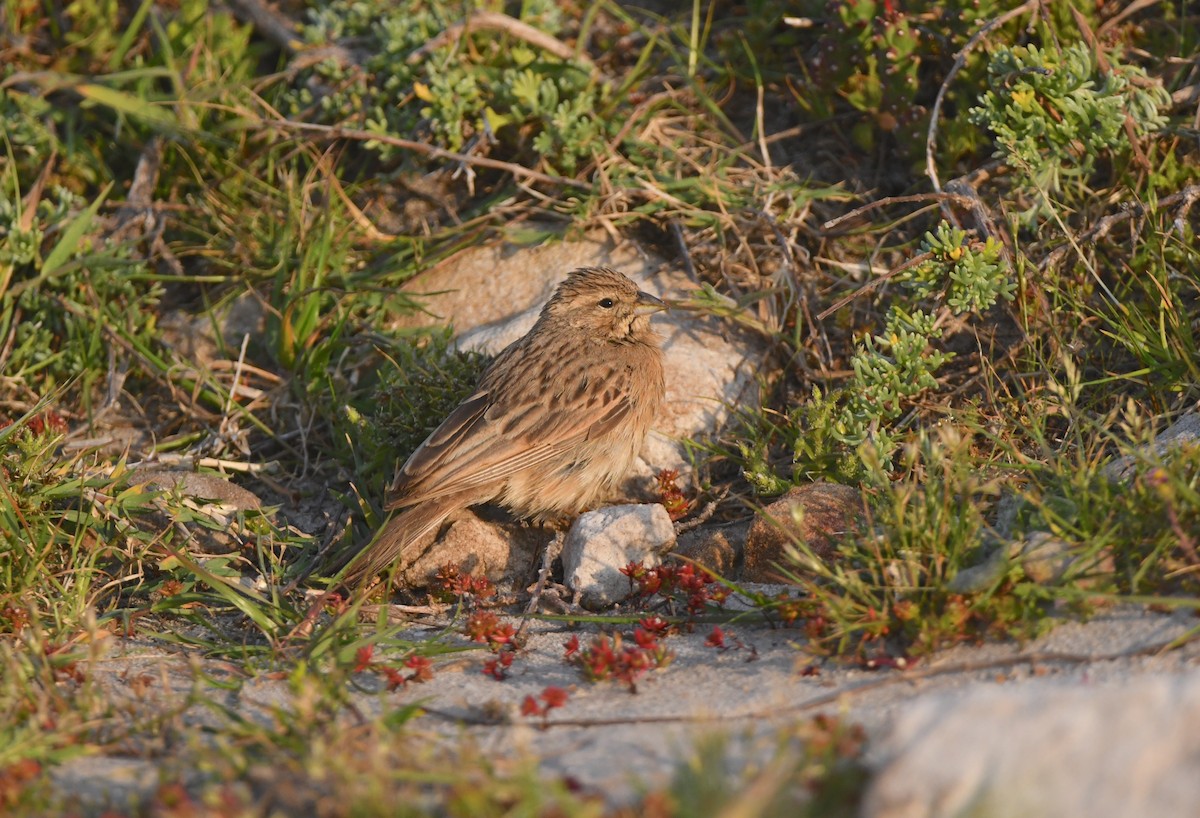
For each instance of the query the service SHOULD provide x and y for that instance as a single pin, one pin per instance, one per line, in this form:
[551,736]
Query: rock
[502,552]
[487,285]
[214,496]
[1182,432]
[717,549]
[978,578]
[1043,750]
[199,485]
[602,542]
[816,514]
[492,295]
[95,783]
[195,337]
[1043,557]
[1046,558]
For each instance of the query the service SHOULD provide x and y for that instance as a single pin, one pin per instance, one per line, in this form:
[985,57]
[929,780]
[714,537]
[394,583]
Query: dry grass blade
[496,21]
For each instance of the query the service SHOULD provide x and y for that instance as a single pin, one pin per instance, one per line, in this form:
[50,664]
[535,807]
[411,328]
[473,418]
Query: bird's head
[605,304]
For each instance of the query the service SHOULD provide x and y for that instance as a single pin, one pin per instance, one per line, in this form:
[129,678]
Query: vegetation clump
[965,229]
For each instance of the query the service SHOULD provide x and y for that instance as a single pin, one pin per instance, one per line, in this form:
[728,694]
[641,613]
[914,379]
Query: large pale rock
[602,542]
[1044,751]
[492,295]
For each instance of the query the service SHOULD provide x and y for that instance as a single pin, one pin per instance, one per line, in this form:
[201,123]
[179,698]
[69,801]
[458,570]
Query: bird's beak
[648,304]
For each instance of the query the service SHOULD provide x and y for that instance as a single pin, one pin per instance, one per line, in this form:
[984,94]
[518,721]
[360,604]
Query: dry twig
[432,151]
[495,21]
[1185,198]
[960,59]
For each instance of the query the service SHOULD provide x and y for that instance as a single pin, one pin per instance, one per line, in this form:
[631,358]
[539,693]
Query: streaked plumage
[553,426]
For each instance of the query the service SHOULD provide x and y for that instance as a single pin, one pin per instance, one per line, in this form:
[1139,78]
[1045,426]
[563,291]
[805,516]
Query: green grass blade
[129,105]
[68,243]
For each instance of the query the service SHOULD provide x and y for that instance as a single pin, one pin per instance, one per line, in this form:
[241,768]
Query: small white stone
[602,542]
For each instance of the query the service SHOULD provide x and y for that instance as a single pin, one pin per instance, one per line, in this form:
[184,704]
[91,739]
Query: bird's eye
[607,303]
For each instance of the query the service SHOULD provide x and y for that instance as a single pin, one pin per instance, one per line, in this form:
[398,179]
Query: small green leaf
[495,121]
[68,244]
[128,104]
[131,32]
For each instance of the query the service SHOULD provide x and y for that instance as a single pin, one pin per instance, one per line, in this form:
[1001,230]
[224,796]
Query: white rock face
[492,295]
[1114,751]
[602,542]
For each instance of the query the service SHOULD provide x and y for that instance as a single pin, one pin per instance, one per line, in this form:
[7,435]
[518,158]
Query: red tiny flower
[482,587]
[498,667]
[670,494]
[637,660]
[485,626]
[645,639]
[655,580]
[686,579]
[395,678]
[572,646]
[18,618]
[530,707]
[634,570]
[554,696]
[362,658]
[452,582]
[421,667]
[480,624]
[609,657]
[716,639]
[655,624]
[502,634]
[49,422]
[447,576]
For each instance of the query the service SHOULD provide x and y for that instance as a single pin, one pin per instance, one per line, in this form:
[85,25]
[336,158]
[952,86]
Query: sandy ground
[618,742]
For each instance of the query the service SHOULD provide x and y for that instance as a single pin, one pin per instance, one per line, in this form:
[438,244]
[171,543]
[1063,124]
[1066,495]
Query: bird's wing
[505,428]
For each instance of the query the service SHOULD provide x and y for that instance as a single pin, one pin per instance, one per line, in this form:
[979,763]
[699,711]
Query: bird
[552,427]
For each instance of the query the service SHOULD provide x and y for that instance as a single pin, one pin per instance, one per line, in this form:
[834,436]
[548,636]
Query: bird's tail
[395,539]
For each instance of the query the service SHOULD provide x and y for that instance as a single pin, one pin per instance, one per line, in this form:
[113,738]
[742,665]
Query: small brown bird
[553,426]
